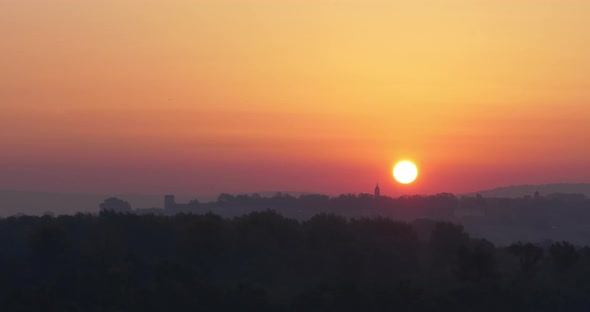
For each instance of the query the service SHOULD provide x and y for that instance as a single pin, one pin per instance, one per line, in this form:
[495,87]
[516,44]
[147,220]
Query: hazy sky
[201,97]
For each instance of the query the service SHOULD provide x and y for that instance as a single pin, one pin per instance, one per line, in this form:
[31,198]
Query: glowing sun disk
[405,172]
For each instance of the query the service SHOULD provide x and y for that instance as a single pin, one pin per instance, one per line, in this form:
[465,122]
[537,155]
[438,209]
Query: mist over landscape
[528,213]
[294,155]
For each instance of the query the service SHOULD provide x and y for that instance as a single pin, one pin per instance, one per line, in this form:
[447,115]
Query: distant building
[170,204]
[377,191]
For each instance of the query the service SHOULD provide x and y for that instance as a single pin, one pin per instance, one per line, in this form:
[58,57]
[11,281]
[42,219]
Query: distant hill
[38,203]
[544,189]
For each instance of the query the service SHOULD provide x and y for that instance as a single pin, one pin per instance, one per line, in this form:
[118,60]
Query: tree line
[500,220]
[264,261]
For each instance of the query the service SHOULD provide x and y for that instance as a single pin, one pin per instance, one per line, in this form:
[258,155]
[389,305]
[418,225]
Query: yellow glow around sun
[405,172]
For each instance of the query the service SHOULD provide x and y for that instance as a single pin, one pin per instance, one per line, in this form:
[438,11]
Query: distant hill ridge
[516,191]
[37,203]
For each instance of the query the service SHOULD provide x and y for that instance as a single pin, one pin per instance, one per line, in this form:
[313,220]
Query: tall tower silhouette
[377,191]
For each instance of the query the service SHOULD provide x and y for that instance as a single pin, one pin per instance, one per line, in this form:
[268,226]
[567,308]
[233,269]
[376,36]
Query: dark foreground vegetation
[266,262]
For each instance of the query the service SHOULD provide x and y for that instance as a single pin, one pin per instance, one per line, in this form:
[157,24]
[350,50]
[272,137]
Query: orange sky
[200,97]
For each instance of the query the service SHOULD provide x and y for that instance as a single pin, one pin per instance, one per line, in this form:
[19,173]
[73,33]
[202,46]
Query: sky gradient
[200,97]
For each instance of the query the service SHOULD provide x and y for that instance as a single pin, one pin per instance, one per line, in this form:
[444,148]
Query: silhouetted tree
[529,257]
[48,240]
[115,205]
[445,241]
[476,261]
[564,256]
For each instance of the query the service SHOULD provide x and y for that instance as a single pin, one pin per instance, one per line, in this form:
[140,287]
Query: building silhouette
[377,191]
[170,204]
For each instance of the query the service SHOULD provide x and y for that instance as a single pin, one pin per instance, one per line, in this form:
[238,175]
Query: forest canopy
[266,262]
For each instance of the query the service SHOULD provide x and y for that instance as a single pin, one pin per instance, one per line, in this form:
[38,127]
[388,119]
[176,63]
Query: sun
[405,172]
